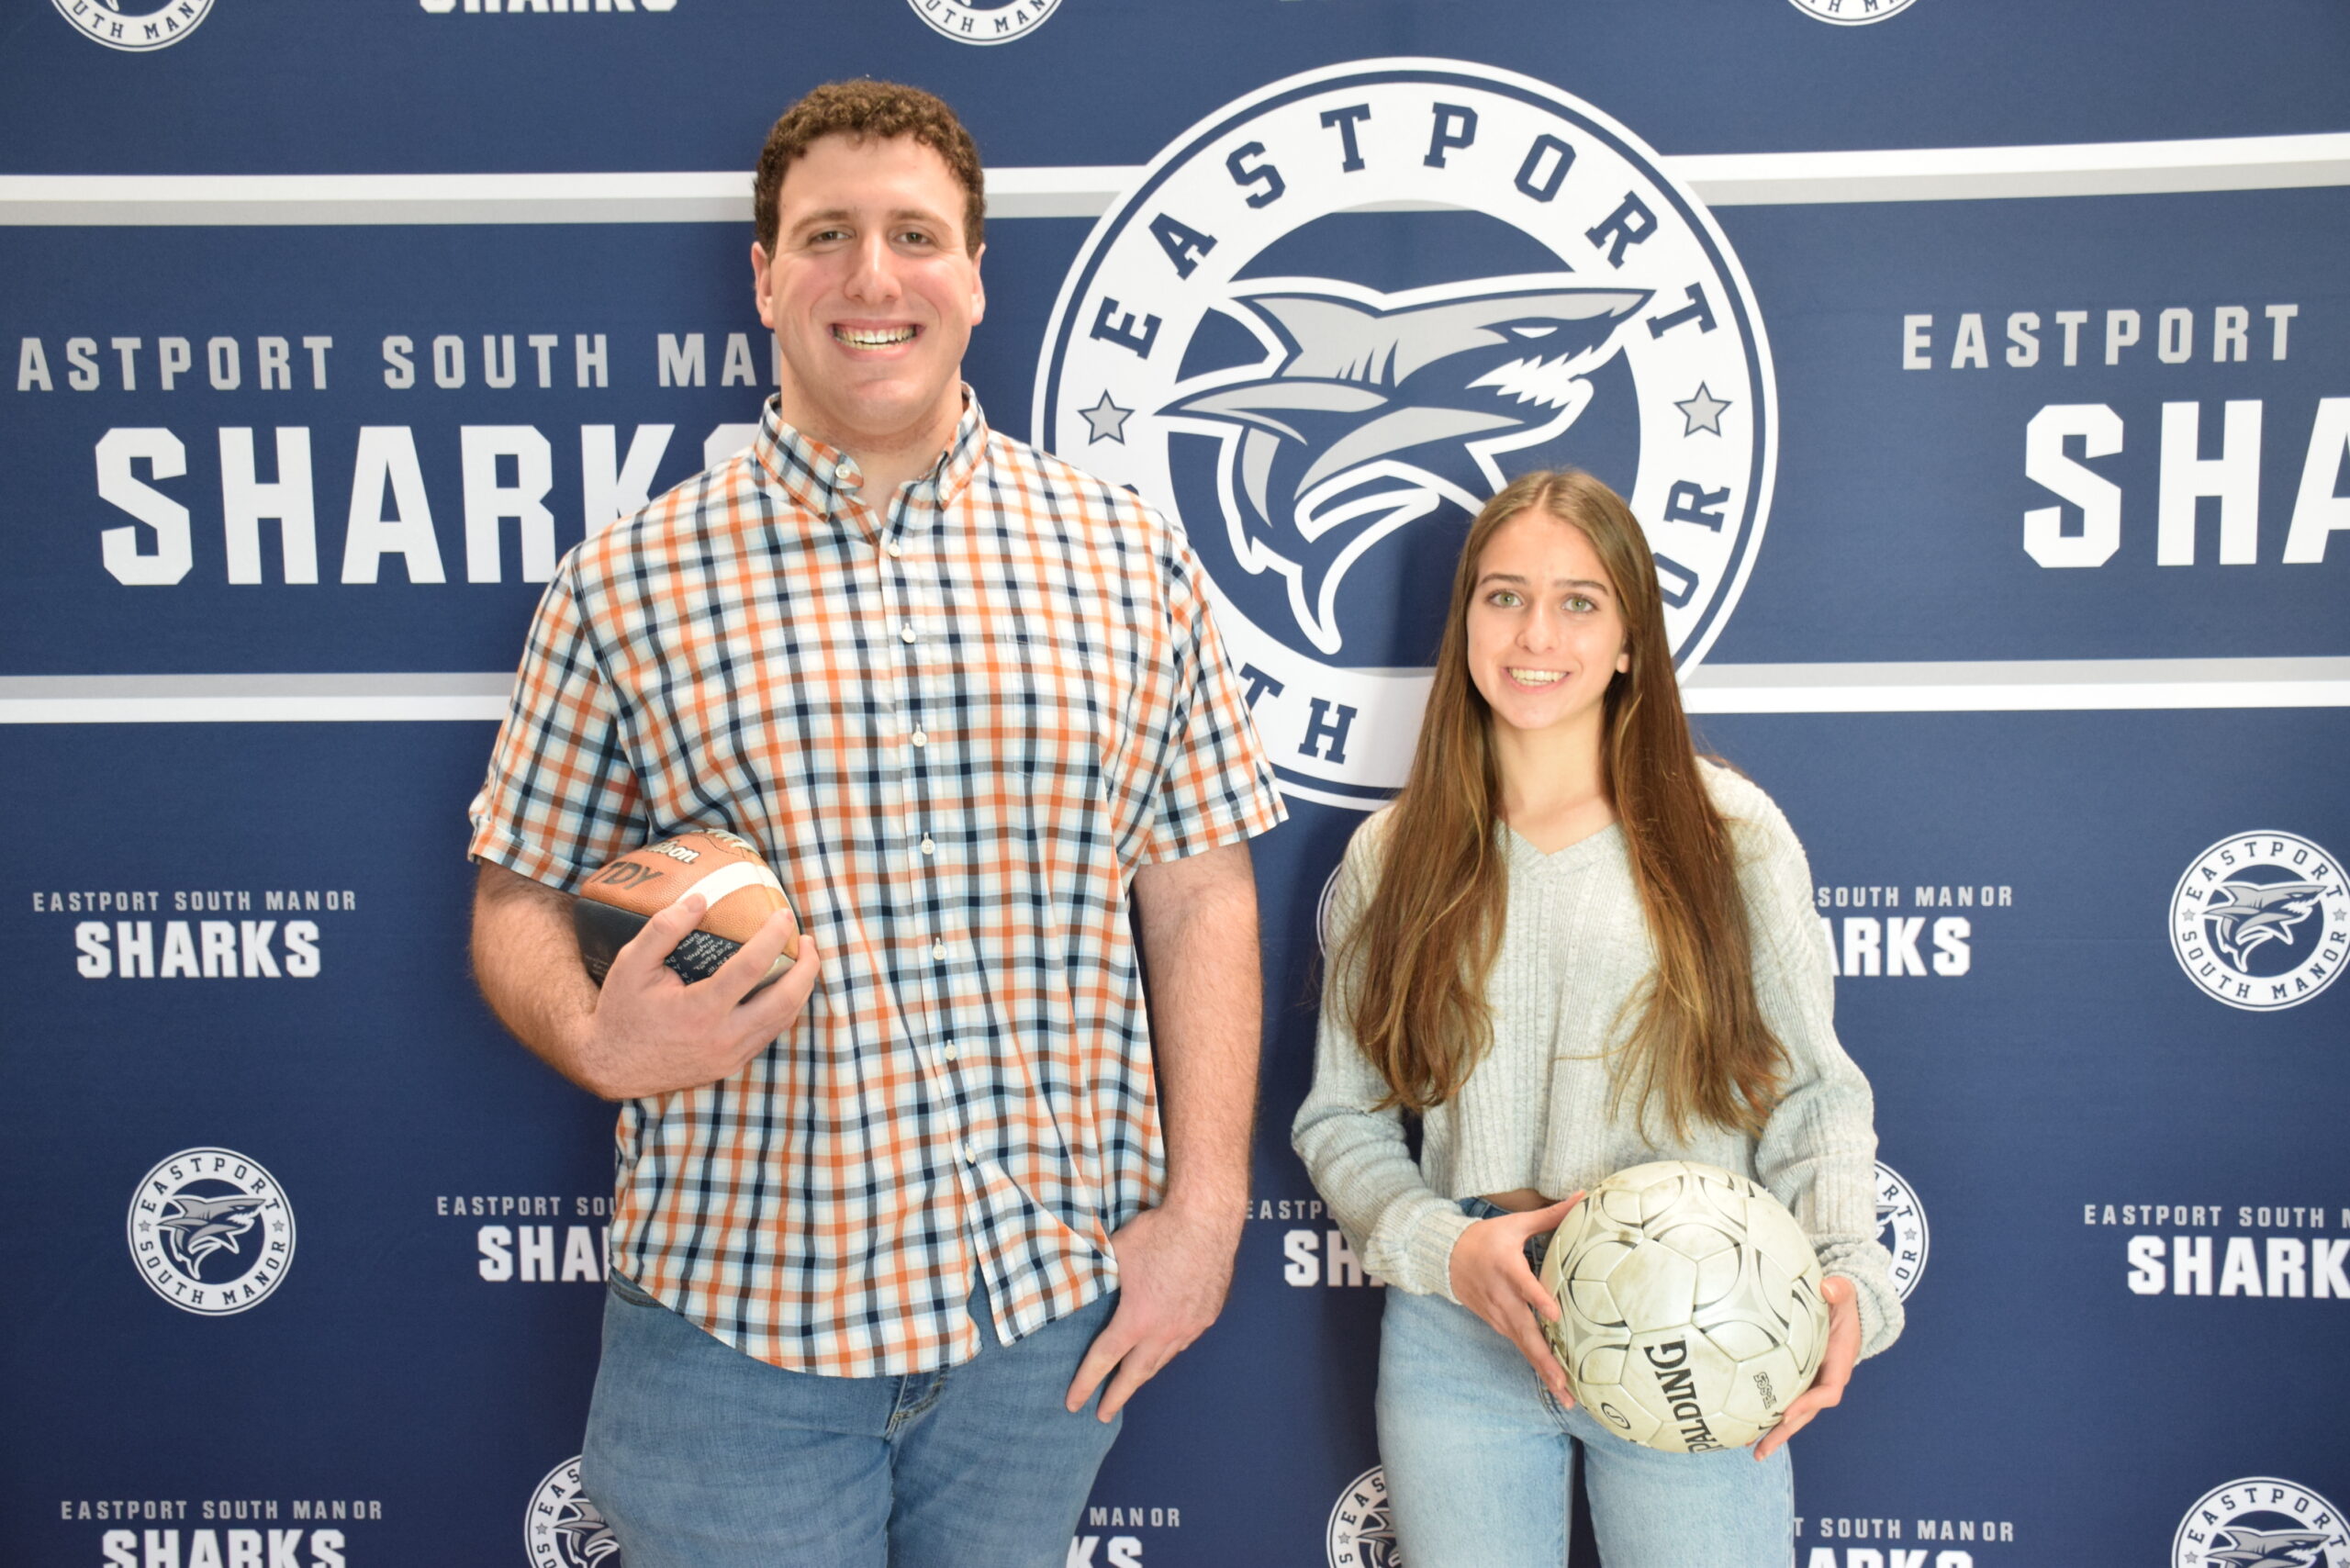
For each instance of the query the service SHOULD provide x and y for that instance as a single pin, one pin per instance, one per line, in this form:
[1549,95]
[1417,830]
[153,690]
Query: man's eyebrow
[843,215]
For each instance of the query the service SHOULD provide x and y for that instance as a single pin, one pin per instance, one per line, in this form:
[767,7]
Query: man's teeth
[1535,676]
[873,338]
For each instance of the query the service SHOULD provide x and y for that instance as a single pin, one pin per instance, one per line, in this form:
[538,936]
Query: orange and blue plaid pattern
[956,732]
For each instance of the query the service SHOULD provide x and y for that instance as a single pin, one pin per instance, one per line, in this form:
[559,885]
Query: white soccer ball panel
[1739,1338]
[1653,1286]
[1764,1384]
[1589,1300]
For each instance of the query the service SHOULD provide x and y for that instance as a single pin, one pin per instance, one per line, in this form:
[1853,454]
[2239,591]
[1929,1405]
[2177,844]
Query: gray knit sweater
[1534,1112]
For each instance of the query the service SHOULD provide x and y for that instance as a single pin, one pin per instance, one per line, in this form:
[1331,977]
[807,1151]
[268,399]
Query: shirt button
[908,634]
[938,951]
[894,548]
[920,739]
[969,1156]
[948,1050]
[927,847]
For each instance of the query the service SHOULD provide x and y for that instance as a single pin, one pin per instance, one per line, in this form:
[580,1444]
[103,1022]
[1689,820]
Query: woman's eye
[1501,598]
[1580,605]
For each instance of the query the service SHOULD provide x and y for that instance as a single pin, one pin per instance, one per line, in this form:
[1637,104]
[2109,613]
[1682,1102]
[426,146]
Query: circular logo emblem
[978,21]
[563,1528]
[211,1231]
[1336,315]
[2258,1522]
[1850,13]
[2262,921]
[135,25]
[1361,1535]
[1900,1227]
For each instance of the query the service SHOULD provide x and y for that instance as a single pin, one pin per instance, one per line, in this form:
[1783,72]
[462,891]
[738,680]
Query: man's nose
[874,275]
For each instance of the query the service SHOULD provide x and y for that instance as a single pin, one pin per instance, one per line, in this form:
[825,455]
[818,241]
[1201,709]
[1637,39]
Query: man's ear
[979,289]
[759,284]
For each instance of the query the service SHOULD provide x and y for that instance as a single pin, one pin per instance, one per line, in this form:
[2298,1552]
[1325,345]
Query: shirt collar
[823,480]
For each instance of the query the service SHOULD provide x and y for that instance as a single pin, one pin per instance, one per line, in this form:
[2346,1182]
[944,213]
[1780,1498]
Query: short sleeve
[1214,785]
[561,797]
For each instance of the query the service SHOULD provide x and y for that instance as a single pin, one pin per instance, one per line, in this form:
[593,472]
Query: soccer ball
[1690,1311]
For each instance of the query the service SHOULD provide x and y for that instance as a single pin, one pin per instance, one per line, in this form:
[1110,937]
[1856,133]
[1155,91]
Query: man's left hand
[1173,1271]
[1835,1366]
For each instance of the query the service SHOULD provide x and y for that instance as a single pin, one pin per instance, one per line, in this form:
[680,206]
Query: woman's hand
[1835,1365]
[1490,1277]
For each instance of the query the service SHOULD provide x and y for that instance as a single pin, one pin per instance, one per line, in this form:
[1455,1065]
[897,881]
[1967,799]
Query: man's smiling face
[871,293]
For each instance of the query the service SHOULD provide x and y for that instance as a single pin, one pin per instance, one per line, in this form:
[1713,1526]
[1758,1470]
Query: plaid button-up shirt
[956,730]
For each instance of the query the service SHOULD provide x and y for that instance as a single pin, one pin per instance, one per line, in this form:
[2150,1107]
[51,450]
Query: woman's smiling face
[1545,634]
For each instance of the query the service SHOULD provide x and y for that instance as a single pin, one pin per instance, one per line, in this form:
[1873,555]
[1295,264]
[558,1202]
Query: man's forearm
[526,961]
[1199,935]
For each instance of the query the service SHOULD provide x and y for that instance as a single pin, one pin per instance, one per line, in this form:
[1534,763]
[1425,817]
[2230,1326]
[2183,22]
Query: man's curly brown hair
[862,109]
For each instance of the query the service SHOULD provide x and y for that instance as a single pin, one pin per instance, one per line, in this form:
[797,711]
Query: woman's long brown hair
[1418,959]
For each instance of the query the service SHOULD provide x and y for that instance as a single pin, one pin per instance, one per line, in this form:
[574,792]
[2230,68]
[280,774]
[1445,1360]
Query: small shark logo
[586,1539]
[2269,1548]
[202,1227]
[1371,410]
[2249,914]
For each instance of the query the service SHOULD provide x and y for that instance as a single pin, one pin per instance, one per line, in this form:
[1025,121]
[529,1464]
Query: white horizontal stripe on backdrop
[1987,686]
[1727,179]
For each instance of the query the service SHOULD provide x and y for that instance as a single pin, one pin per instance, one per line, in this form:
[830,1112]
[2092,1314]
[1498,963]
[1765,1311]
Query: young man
[897,1237]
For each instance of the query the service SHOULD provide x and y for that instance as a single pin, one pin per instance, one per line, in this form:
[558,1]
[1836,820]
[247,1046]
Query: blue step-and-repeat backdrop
[1983,381]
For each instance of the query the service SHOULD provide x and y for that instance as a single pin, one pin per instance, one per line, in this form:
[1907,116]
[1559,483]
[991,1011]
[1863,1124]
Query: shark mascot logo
[2261,1522]
[1334,316]
[1901,1228]
[1361,1533]
[2262,921]
[563,1528]
[211,1231]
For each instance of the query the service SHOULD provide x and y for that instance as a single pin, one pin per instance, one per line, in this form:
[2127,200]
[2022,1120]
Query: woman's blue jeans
[1480,1460]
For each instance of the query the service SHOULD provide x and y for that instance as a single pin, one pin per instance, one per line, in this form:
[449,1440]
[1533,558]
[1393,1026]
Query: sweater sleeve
[1403,1231]
[1818,1153]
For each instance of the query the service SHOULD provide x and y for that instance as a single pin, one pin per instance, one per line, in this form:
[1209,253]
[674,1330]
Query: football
[729,872]
[1690,1309]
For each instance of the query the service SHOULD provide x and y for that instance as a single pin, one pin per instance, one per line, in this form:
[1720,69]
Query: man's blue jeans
[701,1457]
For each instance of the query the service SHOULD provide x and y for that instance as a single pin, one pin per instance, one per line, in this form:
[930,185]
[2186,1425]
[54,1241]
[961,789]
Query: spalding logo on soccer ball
[1690,1306]
[727,872]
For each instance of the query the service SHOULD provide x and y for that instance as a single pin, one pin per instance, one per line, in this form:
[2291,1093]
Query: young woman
[1570,946]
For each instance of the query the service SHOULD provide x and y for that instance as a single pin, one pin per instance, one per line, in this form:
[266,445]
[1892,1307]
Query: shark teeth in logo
[1361,1533]
[1335,315]
[2261,1522]
[1901,1226]
[563,1528]
[2262,921]
[211,1231]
